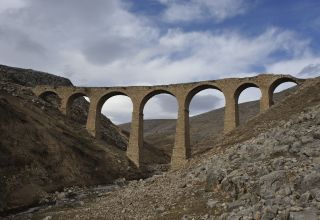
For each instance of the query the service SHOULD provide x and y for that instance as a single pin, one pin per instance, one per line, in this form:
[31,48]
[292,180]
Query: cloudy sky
[146,42]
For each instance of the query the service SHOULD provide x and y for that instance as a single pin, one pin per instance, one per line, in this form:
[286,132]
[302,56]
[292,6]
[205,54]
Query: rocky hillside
[30,78]
[265,169]
[111,134]
[42,152]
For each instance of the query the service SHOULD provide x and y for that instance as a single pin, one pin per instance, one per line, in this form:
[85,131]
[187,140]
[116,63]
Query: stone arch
[70,100]
[213,128]
[52,97]
[46,93]
[278,82]
[242,87]
[161,155]
[198,89]
[107,96]
[100,123]
[151,94]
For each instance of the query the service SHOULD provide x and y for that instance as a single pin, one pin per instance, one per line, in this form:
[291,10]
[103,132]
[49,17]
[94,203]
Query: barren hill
[111,133]
[42,150]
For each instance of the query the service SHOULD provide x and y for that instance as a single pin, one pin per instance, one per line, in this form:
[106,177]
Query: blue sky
[145,42]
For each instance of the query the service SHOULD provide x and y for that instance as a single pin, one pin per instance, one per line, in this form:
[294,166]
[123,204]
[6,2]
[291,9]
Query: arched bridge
[139,95]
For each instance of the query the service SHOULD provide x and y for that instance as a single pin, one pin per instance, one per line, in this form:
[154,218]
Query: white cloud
[118,109]
[179,56]
[304,67]
[194,10]
[8,5]
[249,94]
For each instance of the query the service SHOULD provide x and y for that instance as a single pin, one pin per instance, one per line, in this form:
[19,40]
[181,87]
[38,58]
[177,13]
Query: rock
[268,213]
[61,195]
[47,218]
[288,140]
[212,203]
[296,146]
[316,135]
[278,163]
[214,178]
[305,197]
[236,204]
[160,209]
[27,77]
[120,182]
[311,181]
[272,182]
[316,194]
[182,185]
[281,149]
[308,215]
[296,209]
[306,139]
[257,215]
[285,191]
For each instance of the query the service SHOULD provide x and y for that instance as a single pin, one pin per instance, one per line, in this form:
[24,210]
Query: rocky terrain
[265,169]
[30,78]
[42,151]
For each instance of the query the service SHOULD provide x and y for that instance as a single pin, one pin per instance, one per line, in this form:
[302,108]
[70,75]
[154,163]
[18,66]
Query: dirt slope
[42,151]
[111,134]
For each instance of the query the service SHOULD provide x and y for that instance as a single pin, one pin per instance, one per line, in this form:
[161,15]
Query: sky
[148,42]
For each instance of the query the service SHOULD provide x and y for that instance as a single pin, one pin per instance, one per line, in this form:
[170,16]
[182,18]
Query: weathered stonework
[139,95]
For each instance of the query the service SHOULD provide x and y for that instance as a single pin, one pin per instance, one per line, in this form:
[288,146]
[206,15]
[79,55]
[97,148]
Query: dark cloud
[71,12]
[199,103]
[204,103]
[119,117]
[167,103]
[310,70]
[21,41]
[107,50]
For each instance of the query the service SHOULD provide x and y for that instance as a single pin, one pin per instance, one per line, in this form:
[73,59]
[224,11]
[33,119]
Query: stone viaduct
[139,95]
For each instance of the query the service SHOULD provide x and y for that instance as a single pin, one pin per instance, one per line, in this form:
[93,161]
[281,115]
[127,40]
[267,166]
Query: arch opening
[52,98]
[160,115]
[206,110]
[78,108]
[115,119]
[281,88]
[247,101]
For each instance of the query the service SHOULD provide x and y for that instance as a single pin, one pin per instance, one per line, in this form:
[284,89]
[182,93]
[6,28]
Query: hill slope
[42,151]
[111,134]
